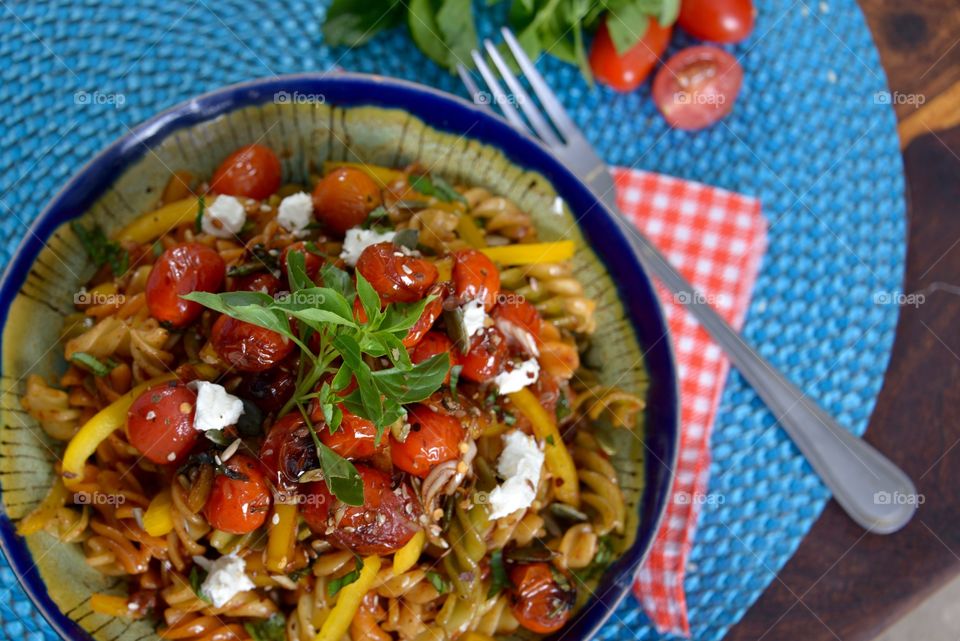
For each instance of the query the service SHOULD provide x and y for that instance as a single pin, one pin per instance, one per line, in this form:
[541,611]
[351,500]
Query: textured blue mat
[809,137]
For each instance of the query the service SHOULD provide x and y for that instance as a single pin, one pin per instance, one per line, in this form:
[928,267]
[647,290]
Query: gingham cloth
[716,238]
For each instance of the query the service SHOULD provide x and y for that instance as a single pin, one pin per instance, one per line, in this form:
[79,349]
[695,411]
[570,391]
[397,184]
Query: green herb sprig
[101,250]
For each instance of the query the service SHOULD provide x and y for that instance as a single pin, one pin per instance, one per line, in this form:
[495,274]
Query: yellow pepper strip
[444,268]
[115,606]
[557,458]
[99,427]
[476,636]
[152,225]
[158,519]
[383,175]
[43,513]
[470,232]
[407,556]
[282,536]
[348,602]
[531,253]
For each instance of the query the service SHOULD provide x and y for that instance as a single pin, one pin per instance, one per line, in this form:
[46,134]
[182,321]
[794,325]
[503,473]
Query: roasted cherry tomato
[252,171]
[724,21]
[487,356]
[344,198]
[182,269]
[354,439]
[247,347]
[258,282]
[697,87]
[270,389]
[160,422]
[388,518]
[434,343]
[312,262]
[542,597]
[288,451]
[397,277]
[626,72]
[433,438]
[520,323]
[240,498]
[429,316]
[475,277]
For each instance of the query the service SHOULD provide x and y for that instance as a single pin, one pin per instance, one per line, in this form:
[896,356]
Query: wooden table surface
[841,583]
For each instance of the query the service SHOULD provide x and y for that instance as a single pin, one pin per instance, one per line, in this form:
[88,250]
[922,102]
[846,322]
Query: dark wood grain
[841,583]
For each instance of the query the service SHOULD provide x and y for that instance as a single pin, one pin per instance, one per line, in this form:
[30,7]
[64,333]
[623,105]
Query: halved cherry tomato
[475,277]
[487,356]
[354,439]
[252,171]
[182,269]
[258,282]
[344,198]
[247,347]
[384,523]
[288,451]
[429,316]
[520,323]
[270,389]
[433,438]
[434,343]
[397,277]
[542,597]
[240,499]
[724,21]
[160,422]
[626,72]
[312,262]
[697,87]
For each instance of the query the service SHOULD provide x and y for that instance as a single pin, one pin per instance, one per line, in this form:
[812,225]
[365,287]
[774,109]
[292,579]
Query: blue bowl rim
[424,103]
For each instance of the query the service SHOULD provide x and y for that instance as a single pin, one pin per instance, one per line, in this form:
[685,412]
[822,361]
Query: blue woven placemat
[811,136]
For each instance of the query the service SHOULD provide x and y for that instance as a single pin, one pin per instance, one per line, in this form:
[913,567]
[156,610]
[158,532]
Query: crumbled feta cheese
[526,373]
[474,316]
[226,578]
[224,217]
[216,409]
[520,465]
[296,212]
[358,239]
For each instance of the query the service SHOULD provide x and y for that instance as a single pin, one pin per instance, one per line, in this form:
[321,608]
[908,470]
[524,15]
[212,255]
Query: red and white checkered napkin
[716,239]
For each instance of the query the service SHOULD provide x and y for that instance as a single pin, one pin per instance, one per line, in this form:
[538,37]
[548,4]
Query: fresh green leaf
[297,272]
[338,583]
[273,628]
[92,364]
[626,25]
[438,582]
[370,300]
[498,574]
[458,31]
[341,476]
[255,308]
[435,186]
[354,22]
[245,269]
[100,249]
[197,576]
[398,318]
[422,22]
[415,384]
[198,221]
[409,238]
[454,379]
[339,281]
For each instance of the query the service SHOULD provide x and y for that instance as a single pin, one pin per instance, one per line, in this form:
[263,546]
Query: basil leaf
[92,364]
[197,576]
[370,396]
[498,574]
[341,476]
[422,22]
[438,582]
[370,300]
[198,221]
[400,317]
[626,25]
[458,31]
[338,583]
[415,384]
[409,238]
[339,281]
[297,272]
[351,23]
[317,305]
[250,307]
[273,628]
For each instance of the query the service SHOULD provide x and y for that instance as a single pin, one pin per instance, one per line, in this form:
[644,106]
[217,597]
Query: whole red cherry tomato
[252,171]
[258,282]
[520,323]
[240,498]
[487,356]
[355,438]
[397,277]
[724,21]
[542,597]
[247,347]
[387,520]
[626,72]
[344,198]
[182,269]
[434,343]
[312,262]
[475,277]
[160,422]
[288,451]
[429,316]
[697,87]
[433,438]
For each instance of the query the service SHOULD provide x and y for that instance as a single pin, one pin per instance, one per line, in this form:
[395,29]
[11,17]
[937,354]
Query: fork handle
[867,485]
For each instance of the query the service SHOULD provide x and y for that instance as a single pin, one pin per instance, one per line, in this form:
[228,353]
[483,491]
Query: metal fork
[873,491]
